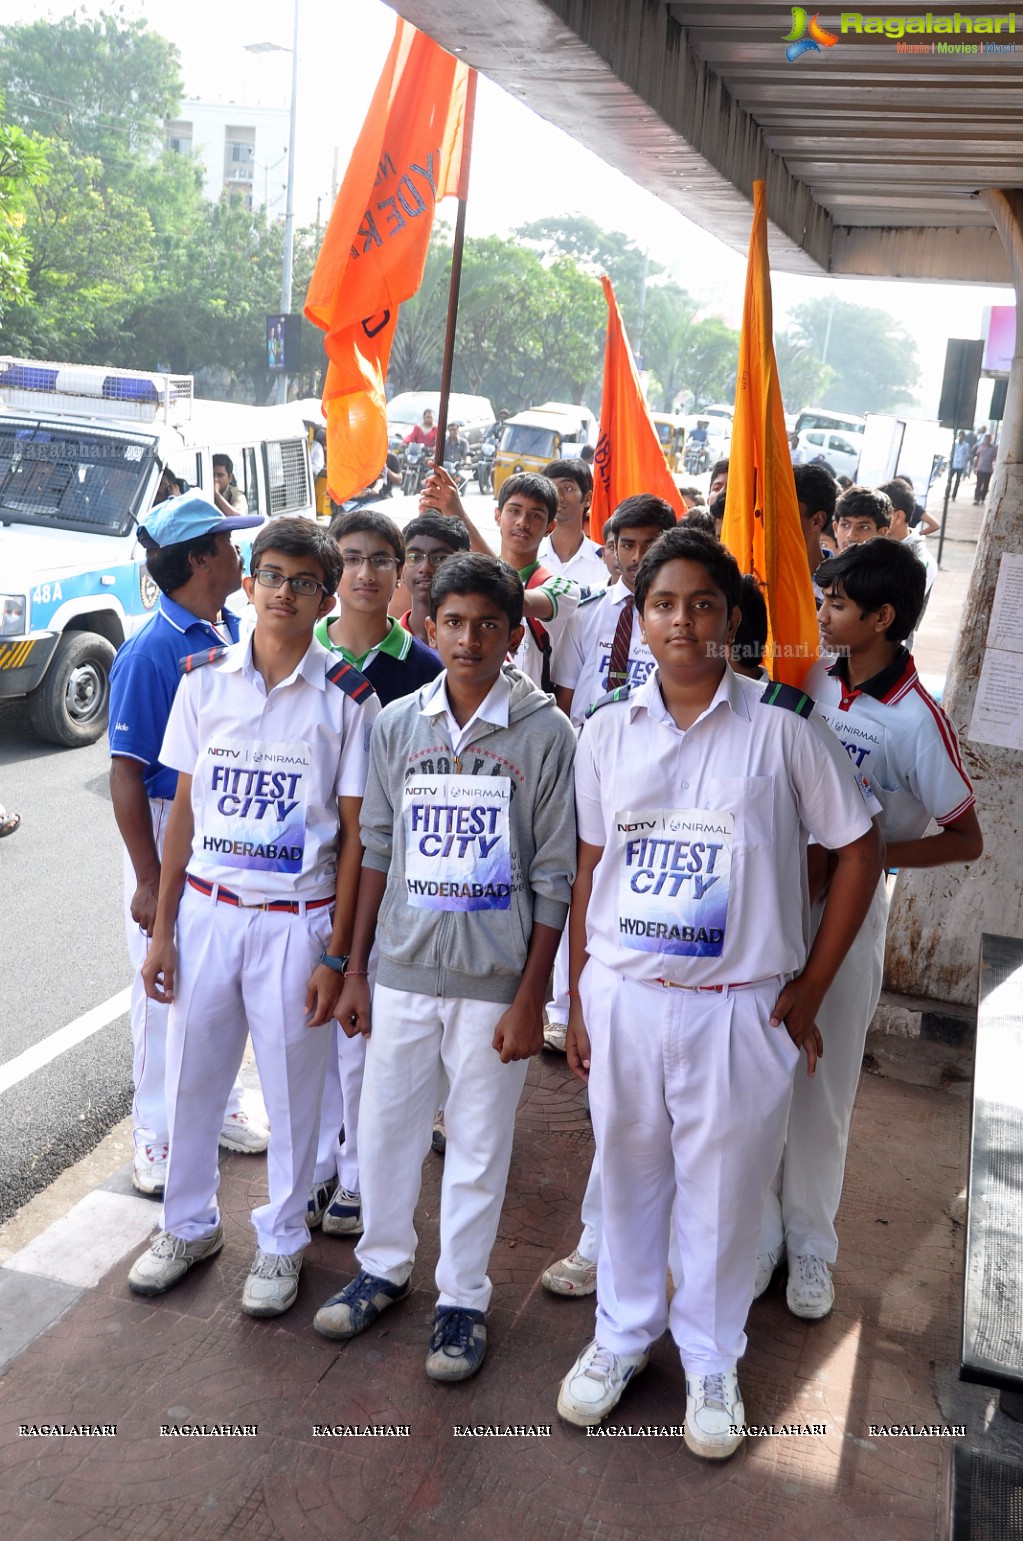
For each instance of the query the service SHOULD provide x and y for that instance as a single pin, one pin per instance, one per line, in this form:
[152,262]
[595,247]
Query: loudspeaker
[997,411]
[959,384]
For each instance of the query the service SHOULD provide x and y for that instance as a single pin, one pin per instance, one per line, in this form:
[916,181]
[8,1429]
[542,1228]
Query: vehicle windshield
[73,478]
[520,440]
[664,432]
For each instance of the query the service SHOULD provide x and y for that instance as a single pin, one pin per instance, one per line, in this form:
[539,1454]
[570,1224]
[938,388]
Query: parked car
[473,414]
[840,450]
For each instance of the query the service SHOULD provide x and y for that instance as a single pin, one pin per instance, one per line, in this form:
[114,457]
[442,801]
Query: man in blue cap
[191,558]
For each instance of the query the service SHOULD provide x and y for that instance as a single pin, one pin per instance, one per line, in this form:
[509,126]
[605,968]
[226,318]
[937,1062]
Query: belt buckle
[261,905]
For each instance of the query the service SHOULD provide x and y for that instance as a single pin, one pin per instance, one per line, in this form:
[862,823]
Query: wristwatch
[337,964]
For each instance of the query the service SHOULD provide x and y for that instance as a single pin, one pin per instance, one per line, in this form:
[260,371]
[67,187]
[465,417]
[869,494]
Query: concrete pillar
[937,916]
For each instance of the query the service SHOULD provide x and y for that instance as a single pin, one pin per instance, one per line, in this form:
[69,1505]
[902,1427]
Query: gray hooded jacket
[476,954]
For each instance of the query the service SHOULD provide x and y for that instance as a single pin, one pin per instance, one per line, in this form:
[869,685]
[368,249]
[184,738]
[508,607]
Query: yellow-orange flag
[412,151]
[628,458]
[762,528]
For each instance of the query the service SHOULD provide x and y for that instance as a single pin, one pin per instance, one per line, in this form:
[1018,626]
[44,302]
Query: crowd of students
[381,836]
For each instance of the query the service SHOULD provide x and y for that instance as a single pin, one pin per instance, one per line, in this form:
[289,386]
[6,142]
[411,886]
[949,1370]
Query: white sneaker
[572,1275]
[594,1384]
[810,1292]
[767,1262]
[320,1196]
[272,1285]
[343,1215]
[714,1415]
[169,1259]
[244,1133]
[554,1035]
[149,1170]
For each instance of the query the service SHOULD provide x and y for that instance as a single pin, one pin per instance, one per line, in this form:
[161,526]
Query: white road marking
[40,1054]
[89,1240]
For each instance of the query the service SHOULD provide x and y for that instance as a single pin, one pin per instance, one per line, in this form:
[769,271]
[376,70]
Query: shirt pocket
[750,801]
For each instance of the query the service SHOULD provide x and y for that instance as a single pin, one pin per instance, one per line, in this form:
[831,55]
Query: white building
[243,151]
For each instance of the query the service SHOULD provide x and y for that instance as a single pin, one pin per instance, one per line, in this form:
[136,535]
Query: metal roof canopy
[874,158]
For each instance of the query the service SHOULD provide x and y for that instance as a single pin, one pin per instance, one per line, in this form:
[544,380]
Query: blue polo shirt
[143,682]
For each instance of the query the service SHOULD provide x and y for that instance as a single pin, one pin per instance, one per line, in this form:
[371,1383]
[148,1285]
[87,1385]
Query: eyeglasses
[432,559]
[303,587]
[379,561]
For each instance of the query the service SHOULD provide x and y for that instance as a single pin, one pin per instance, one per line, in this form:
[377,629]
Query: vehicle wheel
[71,704]
[485,480]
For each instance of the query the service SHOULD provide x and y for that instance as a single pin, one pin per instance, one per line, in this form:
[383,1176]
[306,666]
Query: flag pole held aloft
[454,284]
[409,154]
[762,527]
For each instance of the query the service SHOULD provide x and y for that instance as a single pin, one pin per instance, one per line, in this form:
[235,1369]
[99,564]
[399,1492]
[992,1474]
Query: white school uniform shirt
[267,771]
[704,832]
[564,596]
[584,653]
[900,740]
[917,543]
[585,566]
[493,708]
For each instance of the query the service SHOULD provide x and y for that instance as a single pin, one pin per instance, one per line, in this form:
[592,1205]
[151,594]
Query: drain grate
[987,1498]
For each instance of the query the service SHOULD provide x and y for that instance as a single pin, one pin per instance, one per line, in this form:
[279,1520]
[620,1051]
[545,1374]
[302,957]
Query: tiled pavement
[886,1355]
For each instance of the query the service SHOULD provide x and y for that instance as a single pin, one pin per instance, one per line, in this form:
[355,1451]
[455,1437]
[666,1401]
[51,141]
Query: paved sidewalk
[886,1356]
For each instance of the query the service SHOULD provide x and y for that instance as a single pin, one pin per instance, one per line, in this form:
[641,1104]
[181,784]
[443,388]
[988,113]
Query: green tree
[872,359]
[693,360]
[803,378]
[24,166]
[102,86]
[91,247]
[596,252]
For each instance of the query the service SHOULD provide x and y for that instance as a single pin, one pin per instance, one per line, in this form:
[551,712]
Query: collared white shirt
[435,702]
[585,566]
[901,741]
[267,770]
[583,655]
[758,779]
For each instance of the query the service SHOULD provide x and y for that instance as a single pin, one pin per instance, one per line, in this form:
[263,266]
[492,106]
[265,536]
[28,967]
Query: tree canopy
[871,364]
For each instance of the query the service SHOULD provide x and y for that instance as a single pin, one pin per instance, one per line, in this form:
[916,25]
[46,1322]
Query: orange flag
[762,528]
[412,151]
[628,458]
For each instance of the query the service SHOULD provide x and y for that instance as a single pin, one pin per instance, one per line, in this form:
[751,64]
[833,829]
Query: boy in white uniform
[902,743]
[568,549]
[465,887]
[692,991]
[270,742]
[602,649]
[527,510]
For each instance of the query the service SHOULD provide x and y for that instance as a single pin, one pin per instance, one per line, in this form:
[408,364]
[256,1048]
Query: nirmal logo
[806,35]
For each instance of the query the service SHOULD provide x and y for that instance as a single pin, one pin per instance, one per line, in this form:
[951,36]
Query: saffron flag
[412,151]
[628,458]
[762,528]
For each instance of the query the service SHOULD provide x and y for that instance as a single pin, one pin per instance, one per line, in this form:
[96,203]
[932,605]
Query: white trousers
[557,1009]
[242,972]
[689,1093]
[342,1096]
[419,1044]
[803,1200]
[149,1018]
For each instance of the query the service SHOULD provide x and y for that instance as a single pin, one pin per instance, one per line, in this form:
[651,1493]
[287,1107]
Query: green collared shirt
[397,642]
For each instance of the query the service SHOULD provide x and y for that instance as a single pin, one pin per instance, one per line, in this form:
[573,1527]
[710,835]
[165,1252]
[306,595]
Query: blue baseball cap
[186,518]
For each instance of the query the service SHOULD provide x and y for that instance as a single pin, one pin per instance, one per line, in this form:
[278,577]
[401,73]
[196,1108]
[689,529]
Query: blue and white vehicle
[82,454]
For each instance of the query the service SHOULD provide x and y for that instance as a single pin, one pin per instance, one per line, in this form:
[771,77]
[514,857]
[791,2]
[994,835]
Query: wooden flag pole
[456,272]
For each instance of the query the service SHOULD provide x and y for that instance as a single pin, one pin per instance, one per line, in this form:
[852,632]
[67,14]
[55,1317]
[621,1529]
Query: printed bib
[674,868]
[252,806]
[457,845]
[864,743]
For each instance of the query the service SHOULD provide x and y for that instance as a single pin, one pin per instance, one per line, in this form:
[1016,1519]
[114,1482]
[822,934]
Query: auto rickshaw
[530,440]
[671,433]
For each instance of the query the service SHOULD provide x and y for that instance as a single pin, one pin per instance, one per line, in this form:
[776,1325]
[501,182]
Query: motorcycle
[696,458]
[485,466]
[415,464]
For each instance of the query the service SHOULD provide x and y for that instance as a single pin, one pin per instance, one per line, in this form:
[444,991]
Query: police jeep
[82,453]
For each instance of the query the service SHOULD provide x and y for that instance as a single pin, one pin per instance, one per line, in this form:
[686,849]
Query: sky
[504,190]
